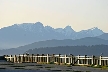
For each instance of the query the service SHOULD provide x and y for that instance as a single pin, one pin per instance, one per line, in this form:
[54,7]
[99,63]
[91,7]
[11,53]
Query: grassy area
[98,66]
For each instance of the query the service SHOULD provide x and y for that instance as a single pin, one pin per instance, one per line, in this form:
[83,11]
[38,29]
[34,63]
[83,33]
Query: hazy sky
[79,14]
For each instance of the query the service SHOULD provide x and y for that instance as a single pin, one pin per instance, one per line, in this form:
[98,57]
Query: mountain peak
[68,28]
[94,28]
[39,23]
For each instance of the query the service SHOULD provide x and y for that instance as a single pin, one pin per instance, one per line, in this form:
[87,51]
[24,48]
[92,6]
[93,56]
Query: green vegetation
[43,63]
[69,66]
[64,64]
[98,66]
[105,67]
[88,71]
[51,62]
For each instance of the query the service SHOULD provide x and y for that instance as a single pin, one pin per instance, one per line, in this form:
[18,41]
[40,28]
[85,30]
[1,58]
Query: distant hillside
[103,36]
[54,43]
[75,50]
[27,33]
[67,42]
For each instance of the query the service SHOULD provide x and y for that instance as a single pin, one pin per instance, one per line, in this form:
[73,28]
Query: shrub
[92,65]
[98,66]
[51,63]
[69,66]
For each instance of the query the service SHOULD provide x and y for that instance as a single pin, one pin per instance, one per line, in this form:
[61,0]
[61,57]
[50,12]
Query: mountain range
[96,50]
[27,33]
[88,41]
